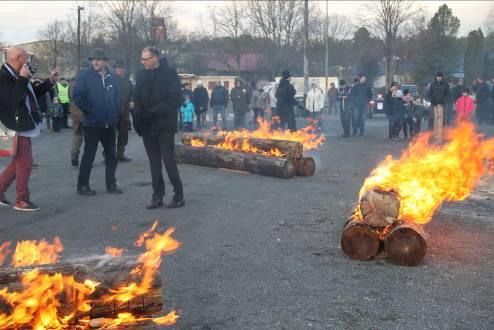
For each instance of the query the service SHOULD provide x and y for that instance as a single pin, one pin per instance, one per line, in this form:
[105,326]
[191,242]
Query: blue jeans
[239,120]
[358,118]
[219,110]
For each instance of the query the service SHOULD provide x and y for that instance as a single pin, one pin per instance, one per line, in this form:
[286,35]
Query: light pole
[326,42]
[79,9]
[306,45]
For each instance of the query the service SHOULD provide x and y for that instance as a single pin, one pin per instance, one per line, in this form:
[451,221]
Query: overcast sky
[20,21]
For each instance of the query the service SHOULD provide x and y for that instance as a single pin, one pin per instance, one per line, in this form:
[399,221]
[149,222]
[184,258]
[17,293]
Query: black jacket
[483,94]
[219,96]
[361,94]
[13,93]
[125,92]
[201,99]
[456,92]
[285,96]
[345,104]
[438,93]
[388,103]
[157,99]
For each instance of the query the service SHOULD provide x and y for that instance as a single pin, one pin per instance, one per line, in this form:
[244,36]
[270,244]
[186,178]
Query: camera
[31,68]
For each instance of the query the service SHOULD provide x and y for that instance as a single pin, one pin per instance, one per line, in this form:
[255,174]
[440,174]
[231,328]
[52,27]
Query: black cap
[466,90]
[406,91]
[286,74]
[98,54]
[342,82]
[119,64]
[439,74]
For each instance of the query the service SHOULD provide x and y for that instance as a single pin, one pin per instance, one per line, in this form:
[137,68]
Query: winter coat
[387,103]
[239,100]
[14,113]
[259,100]
[187,111]
[456,92]
[438,93]
[314,101]
[397,107]
[97,98]
[332,95]
[345,104]
[219,96]
[483,94]
[272,97]
[157,100]
[125,91]
[465,105]
[361,94]
[201,99]
[285,96]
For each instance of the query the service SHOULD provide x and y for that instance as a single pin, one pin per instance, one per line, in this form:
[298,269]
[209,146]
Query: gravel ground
[264,253]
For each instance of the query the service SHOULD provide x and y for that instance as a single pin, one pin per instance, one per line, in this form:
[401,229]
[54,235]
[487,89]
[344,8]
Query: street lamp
[79,9]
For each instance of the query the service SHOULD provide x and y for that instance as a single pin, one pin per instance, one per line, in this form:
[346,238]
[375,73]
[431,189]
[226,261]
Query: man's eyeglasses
[146,59]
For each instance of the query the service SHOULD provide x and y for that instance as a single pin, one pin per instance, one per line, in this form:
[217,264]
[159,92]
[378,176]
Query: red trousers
[19,169]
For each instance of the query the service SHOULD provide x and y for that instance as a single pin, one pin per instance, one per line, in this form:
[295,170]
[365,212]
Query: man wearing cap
[96,94]
[124,87]
[343,97]
[285,96]
[438,95]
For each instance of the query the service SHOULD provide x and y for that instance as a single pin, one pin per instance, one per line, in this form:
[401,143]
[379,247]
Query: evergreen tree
[368,53]
[474,55]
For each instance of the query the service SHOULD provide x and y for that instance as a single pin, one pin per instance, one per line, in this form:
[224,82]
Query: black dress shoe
[113,189]
[85,191]
[176,204]
[155,204]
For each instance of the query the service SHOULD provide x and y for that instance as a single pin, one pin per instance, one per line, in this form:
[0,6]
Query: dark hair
[153,50]
[406,91]
[394,83]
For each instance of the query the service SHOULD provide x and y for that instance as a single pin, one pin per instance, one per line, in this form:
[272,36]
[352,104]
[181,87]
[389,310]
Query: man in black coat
[343,97]
[360,96]
[19,111]
[125,91]
[483,95]
[201,100]
[438,95]
[157,99]
[285,96]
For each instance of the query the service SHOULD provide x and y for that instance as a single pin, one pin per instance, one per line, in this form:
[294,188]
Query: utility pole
[306,45]
[326,42]
[79,9]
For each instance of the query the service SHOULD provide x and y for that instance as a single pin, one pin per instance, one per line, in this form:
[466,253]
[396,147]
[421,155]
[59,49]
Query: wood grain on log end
[406,244]
[360,241]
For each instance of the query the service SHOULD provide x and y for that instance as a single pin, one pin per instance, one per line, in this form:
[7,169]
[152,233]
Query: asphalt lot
[264,253]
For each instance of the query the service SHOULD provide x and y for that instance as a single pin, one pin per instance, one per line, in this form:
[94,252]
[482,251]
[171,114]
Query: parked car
[412,88]
[376,105]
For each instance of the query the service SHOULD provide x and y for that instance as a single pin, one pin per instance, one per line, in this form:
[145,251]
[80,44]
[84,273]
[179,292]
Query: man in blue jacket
[96,94]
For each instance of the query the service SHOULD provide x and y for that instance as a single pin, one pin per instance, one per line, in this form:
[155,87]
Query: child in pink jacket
[465,105]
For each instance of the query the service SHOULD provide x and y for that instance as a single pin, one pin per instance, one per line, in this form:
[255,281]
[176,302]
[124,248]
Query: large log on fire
[305,166]
[292,149]
[379,208]
[359,240]
[405,244]
[217,158]
[111,272]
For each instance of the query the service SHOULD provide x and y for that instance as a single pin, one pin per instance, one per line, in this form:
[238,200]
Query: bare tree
[386,19]
[53,35]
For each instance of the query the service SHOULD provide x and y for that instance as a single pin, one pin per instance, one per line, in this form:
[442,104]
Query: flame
[113,251]
[426,175]
[54,301]
[150,261]
[38,304]
[307,136]
[28,253]
[4,251]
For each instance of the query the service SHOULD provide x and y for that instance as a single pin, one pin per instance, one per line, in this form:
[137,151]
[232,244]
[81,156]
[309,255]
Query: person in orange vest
[465,106]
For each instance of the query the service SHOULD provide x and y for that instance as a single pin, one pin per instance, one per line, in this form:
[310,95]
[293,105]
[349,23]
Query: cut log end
[359,241]
[379,208]
[406,244]
[306,166]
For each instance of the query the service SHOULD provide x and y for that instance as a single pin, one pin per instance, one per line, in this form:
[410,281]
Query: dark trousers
[317,119]
[417,123]
[358,118]
[66,108]
[239,119]
[398,124]
[77,140]
[19,169]
[345,118]
[332,109]
[408,126]
[161,148]
[258,112]
[123,125]
[92,137]
[287,117]
[201,120]
[391,125]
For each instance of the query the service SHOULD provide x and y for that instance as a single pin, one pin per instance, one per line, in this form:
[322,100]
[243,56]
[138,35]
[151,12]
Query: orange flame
[4,252]
[28,253]
[113,251]
[307,136]
[426,175]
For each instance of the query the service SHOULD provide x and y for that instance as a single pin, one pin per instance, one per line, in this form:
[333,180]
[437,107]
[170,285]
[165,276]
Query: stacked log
[112,273]
[291,163]
[374,225]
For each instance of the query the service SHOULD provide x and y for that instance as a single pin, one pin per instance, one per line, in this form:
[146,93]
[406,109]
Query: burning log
[379,208]
[306,166]
[359,240]
[211,157]
[406,244]
[110,272]
[291,149]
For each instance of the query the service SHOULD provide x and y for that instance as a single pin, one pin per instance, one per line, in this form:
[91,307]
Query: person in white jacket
[314,103]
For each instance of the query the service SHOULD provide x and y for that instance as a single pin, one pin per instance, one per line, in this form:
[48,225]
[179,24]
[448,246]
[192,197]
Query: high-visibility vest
[63,93]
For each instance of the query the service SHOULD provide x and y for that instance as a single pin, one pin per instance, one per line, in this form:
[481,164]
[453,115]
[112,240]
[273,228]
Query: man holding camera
[19,111]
